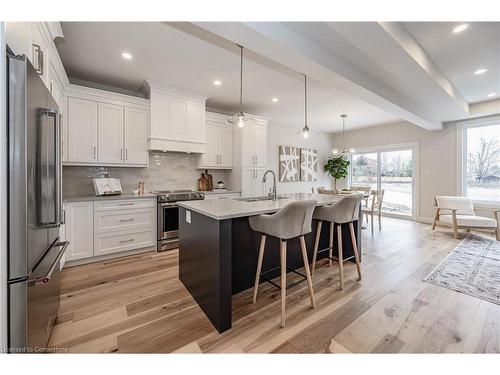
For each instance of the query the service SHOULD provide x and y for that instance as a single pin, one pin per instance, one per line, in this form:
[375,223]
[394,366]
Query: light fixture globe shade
[241,120]
[352,150]
[305,132]
[335,151]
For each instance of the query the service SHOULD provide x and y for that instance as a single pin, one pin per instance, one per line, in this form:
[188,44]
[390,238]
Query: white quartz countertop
[230,208]
[86,198]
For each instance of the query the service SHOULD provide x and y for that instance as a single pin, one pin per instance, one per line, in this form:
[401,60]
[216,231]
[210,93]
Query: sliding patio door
[392,170]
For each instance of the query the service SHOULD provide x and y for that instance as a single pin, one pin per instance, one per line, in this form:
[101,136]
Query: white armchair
[459,213]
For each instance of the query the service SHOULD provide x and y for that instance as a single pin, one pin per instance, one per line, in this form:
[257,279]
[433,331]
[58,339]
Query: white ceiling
[167,54]
[459,55]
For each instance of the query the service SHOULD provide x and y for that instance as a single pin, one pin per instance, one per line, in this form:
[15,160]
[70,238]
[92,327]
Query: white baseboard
[424,219]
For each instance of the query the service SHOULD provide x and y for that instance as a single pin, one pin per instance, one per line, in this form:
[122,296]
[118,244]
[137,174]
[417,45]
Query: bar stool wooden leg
[341,256]
[316,244]
[355,249]
[379,221]
[259,267]
[330,243]
[283,281]
[306,268]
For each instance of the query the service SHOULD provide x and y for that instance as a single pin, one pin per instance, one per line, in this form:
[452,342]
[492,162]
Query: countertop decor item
[220,184]
[203,183]
[337,167]
[141,188]
[210,183]
[107,186]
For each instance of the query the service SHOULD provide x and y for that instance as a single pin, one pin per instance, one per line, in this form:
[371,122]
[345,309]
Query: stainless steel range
[168,215]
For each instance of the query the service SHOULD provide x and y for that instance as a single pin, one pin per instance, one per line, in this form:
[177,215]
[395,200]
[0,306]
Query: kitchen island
[218,250]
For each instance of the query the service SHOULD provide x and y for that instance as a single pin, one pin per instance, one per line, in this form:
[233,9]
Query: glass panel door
[388,170]
[396,179]
[364,170]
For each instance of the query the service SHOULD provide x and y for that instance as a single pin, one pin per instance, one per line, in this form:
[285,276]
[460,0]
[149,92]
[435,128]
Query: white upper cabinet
[253,144]
[82,130]
[260,145]
[136,134]
[219,143]
[226,145]
[110,133]
[106,129]
[177,121]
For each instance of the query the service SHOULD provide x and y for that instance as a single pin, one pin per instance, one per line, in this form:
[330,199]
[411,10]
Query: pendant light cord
[241,78]
[305,103]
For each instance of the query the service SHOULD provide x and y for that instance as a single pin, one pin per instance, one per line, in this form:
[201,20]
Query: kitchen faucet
[273,195]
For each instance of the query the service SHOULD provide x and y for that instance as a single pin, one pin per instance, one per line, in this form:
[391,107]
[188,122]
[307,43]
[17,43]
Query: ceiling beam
[329,56]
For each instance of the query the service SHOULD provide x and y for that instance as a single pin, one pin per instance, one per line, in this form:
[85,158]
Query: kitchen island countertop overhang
[230,208]
[218,251]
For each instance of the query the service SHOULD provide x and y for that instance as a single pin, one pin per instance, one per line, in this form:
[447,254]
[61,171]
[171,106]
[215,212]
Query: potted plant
[337,167]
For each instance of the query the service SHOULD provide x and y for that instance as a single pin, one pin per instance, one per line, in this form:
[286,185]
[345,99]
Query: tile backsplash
[166,171]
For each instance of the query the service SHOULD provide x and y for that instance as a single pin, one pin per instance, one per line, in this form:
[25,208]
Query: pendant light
[305,129]
[344,151]
[240,119]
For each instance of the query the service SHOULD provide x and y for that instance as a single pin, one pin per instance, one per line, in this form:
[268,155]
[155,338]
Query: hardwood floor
[137,304]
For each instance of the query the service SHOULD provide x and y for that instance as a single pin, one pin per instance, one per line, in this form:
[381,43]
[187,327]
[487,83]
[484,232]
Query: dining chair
[365,190]
[374,207]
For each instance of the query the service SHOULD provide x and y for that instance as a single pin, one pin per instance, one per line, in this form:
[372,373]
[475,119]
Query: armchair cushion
[463,205]
[469,221]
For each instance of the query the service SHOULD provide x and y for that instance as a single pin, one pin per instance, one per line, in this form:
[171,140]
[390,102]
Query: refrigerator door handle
[57,170]
[41,279]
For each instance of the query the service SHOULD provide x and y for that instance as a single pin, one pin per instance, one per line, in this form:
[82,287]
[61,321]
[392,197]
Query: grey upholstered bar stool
[344,211]
[293,220]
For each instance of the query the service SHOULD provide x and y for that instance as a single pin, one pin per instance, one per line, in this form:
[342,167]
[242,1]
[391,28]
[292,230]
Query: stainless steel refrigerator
[34,208]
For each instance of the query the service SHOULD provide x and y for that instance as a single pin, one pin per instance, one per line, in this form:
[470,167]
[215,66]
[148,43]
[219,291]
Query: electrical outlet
[188,217]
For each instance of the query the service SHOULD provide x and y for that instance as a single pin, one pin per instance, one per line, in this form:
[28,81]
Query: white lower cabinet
[115,242]
[104,227]
[79,230]
[251,182]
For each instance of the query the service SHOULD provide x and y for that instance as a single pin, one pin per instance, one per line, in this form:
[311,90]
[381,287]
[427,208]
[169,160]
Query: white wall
[437,156]
[3,194]
[278,135]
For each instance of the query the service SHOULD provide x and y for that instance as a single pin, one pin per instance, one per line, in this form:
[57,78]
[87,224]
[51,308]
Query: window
[390,169]
[482,162]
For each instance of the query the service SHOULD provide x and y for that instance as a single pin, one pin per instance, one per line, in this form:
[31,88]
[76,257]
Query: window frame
[462,128]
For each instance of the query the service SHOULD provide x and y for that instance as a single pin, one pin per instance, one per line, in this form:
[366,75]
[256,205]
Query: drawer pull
[126,204]
[124,241]
[123,220]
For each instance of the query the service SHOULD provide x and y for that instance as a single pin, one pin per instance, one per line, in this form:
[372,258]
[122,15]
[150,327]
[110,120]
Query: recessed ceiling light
[274,100]
[492,94]
[480,71]
[126,56]
[460,28]
[217,82]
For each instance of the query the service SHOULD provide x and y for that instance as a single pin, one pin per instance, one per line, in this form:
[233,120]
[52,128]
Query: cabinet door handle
[124,241]
[125,220]
[126,154]
[95,151]
[126,204]
[121,154]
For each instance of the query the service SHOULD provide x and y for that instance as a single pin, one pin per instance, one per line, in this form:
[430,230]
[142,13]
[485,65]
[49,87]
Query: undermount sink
[259,199]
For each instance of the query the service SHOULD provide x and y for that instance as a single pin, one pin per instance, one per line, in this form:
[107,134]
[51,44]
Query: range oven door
[168,221]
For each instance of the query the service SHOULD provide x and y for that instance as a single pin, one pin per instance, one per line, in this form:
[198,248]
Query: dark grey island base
[218,258]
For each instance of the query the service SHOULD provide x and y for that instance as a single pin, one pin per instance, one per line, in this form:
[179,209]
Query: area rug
[472,268]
